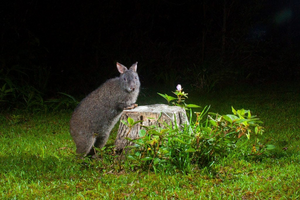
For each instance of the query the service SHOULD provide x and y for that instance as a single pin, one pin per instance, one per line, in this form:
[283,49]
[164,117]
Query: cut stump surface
[157,114]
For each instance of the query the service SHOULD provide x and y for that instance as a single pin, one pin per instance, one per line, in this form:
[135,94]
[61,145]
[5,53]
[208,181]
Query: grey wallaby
[96,114]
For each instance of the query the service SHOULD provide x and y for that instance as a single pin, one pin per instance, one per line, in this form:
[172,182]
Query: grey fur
[97,113]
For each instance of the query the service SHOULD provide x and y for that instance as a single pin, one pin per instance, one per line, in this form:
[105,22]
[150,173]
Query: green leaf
[256,129]
[270,147]
[155,132]
[163,131]
[137,154]
[142,132]
[241,113]
[227,118]
[190,150]
[249,115]
[164,96]
[170,98]
[167,97]
[206,129]
[156,160]
[242,121]
[130,121]
[131,157]
[192,106]
[233,110]
[124,122]
[152,142]
[248,136]
[186,136]
[127,138]
[146,158]
[213,122]
[180,141]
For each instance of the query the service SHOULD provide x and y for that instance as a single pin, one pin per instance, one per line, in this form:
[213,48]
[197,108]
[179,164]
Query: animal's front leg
[131,107]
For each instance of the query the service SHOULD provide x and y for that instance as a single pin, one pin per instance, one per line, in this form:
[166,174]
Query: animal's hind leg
[101,141]
[85,145]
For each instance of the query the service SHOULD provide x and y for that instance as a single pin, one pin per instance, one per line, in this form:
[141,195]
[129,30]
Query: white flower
[178,87]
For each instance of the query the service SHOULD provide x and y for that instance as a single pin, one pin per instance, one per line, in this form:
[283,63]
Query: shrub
[201,143]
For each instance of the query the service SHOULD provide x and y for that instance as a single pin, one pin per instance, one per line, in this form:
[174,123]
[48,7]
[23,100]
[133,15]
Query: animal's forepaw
[131,107]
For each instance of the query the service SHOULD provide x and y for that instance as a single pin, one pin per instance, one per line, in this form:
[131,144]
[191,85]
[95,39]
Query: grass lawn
[38,160]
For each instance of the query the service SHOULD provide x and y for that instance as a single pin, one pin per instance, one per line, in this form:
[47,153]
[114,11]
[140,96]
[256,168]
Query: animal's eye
[124,79]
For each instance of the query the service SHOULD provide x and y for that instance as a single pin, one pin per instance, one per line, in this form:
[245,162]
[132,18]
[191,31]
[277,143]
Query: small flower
[178,87]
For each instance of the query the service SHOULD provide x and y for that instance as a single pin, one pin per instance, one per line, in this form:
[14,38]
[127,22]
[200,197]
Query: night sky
[72,46]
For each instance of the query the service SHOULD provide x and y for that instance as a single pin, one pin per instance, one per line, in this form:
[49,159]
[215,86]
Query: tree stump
[157,114]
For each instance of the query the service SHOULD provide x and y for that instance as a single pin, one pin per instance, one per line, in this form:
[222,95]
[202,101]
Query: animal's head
[129,78]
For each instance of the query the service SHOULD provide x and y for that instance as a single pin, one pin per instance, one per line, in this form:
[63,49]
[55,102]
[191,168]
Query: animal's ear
[134,67]
[121,68]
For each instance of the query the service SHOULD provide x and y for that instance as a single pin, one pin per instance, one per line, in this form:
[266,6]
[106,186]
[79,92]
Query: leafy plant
[23,87]
[205,79]
[66,101]
[16,90]
[217,135]
[4,93]
[179,100]
[202,142]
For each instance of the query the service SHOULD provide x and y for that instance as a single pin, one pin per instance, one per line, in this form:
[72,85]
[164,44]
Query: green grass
[37,159]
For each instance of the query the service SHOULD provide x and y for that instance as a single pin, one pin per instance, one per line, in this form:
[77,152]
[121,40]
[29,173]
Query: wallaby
[96,114]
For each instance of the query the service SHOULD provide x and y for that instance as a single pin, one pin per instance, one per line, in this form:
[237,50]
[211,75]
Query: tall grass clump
[26,88]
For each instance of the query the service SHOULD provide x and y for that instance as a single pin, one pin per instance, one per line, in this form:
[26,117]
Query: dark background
[72,46]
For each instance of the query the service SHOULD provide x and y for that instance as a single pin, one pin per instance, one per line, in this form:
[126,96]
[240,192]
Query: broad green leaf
[163,95]
[213,122]
[241,112]
[136,122]
[167,97]
[170,98]
[130,121]
[227,118]
[142,132]
[131,157]
[137,154]
[232,117]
